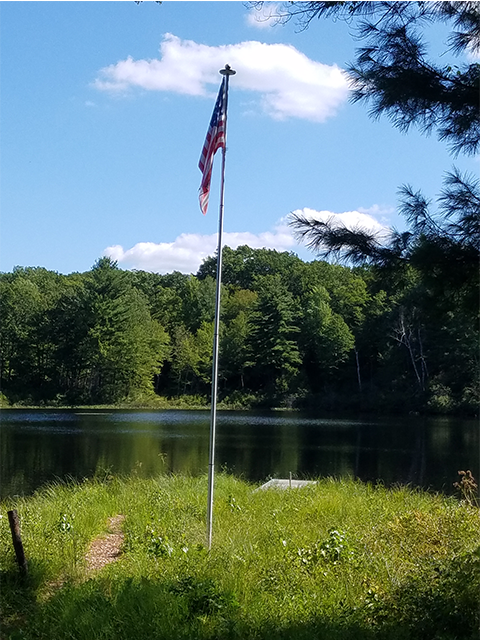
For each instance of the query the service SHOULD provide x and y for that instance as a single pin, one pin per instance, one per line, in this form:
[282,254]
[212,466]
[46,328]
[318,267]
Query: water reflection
[39,446]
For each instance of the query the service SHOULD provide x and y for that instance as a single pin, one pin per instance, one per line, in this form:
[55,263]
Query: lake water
[39,446]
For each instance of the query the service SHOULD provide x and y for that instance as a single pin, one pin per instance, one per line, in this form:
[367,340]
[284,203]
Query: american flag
[215,140]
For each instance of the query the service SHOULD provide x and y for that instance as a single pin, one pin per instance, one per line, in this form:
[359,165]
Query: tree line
[293,334]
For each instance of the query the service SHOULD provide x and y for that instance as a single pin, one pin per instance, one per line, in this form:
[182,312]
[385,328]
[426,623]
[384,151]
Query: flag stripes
[215,140]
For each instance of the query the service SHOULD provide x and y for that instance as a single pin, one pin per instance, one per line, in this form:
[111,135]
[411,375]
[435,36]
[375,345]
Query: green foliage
[203,598]
[430,271]
[65,524]
[240,267]
[440,400]
[325,337]
[342,560]
[185,359]
[4,403]
[274,352]
[301,334]
[334,549]
[157,544]
[440,600]
[393,72]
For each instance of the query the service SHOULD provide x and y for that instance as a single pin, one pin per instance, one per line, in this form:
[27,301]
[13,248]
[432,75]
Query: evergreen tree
[394,74]
[235,331]
[325,338]
[124,346]
[275,354]
[392,70]
[184,361]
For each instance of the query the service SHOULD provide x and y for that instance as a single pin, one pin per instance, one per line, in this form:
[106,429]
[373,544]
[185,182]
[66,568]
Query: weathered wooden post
[14,523]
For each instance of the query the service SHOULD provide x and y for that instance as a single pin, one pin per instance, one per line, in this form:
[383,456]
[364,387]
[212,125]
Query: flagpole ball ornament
[228,71]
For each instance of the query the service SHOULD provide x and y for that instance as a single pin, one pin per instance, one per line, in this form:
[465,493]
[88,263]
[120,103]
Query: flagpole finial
[228,71]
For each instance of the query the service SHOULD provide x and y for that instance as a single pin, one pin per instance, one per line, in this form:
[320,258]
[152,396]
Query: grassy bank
[150,401]
[325,403]
[336,560]
[154,402]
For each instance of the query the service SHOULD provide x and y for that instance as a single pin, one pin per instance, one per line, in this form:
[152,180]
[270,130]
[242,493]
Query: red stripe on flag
[215,140]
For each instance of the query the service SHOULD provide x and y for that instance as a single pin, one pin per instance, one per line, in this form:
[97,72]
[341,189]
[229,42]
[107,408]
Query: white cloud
[188,251]
[290,84]
[357,219]
[380,213]
[473,54]
[265,17]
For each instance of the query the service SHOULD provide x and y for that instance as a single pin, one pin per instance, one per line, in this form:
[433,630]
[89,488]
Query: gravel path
[106,548]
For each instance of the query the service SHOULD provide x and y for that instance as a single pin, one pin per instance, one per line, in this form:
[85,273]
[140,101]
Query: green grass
[336,560]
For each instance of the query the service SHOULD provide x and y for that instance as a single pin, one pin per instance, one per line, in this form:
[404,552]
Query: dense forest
[293,334]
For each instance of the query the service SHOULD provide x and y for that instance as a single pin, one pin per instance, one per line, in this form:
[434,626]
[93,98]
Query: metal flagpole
[213,417]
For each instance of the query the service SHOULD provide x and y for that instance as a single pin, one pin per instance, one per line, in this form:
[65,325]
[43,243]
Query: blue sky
[104,110]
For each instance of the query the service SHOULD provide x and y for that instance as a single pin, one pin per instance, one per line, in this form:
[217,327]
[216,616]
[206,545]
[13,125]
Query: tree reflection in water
[41,446]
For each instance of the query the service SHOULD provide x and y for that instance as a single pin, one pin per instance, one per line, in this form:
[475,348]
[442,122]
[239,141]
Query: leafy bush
[441,400]
[440,600]
[204,597]
[158,544]
[333,550]
[4,402]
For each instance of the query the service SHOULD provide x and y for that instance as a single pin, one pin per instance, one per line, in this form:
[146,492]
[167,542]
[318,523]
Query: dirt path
[102,551]
[107,548]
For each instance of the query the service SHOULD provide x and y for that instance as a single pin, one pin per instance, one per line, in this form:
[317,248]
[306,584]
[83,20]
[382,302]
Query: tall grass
[338,559]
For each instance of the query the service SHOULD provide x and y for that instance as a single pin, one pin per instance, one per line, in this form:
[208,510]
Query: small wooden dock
[289,483]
